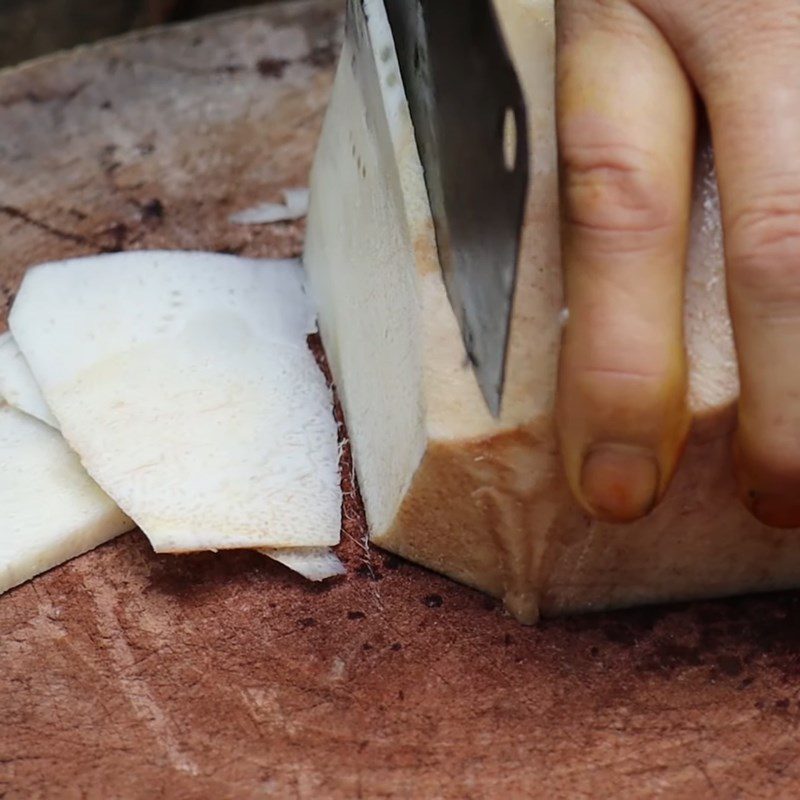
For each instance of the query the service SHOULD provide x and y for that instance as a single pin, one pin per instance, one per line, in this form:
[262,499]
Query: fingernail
[775,510]
[619,481]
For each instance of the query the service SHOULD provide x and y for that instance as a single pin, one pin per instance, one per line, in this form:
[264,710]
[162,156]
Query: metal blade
[466,102]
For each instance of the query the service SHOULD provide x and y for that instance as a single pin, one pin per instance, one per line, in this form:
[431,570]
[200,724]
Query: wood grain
[125,674]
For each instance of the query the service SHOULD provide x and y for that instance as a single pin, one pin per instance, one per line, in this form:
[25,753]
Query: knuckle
[613,191]
[637,395]
[579,17]
[644,391]
[764,253]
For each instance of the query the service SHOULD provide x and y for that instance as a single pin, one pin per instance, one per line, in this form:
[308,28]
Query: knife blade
[470,125]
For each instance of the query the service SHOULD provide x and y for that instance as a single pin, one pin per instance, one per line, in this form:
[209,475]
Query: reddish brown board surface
[125,674]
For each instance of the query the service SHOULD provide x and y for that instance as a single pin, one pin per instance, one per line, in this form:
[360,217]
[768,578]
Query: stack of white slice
[188,403]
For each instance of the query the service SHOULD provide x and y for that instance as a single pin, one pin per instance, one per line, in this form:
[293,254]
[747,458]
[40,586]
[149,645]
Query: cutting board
[129,675]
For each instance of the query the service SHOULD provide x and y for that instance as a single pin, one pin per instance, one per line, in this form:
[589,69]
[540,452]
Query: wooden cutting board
[126,674]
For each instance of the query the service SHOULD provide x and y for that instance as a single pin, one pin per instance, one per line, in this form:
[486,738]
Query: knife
[470,125]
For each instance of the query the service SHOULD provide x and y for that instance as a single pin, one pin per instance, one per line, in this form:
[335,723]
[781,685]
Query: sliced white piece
[297,199]
[17,385]
[313,563]
[50,509]
[295,206]
[184,382]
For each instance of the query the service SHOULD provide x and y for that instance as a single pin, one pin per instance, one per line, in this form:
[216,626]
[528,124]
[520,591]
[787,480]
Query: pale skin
[630,73]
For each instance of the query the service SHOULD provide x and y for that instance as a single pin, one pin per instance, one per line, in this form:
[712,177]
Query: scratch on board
[135,690]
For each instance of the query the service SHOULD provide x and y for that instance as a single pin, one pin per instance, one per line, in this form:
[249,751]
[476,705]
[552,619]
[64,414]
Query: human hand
[627,75]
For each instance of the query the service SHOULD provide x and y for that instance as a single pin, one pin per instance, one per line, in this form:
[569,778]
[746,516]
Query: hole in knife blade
[510,139]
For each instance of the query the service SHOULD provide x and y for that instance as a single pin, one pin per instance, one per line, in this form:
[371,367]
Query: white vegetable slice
[41,535]
[295,206]
[50,509]
[184,382]
[313,563]
[17,385]
[19,389]
[297,200]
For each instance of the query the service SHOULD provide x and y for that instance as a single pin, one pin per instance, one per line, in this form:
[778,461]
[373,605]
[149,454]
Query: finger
[746,65]
[626,138]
